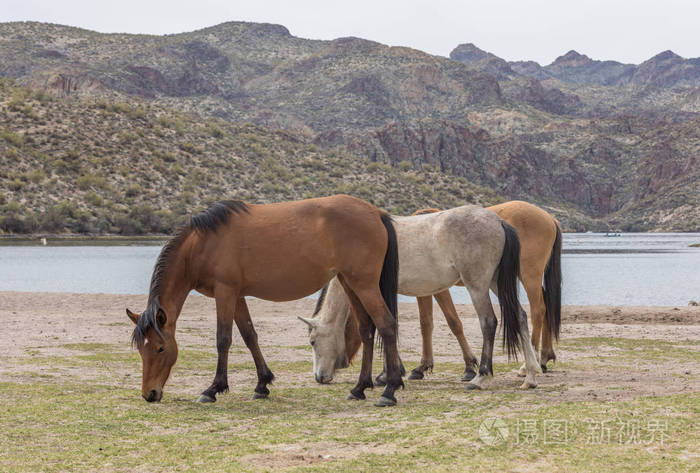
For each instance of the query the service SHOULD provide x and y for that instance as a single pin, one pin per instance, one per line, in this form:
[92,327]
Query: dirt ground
[49,324]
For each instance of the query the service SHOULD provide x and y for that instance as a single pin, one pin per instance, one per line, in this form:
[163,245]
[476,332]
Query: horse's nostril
[152,396]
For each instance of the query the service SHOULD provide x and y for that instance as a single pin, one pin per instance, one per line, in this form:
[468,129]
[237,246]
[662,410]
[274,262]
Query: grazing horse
[436,250]
[540,260]
[277,252]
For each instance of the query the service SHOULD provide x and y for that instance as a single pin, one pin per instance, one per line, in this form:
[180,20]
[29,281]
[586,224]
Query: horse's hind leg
[367,331]
[425,311]
[371,299]
[448,309]
[541,336]
[488,323]
[531,365]
[250,337]
[225,308]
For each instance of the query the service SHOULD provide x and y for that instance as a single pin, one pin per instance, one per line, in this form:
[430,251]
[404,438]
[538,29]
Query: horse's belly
[282,285]
[426,278]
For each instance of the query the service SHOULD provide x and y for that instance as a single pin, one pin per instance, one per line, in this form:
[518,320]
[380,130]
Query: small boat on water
[613,234]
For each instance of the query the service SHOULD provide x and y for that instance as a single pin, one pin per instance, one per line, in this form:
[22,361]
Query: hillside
[572,135]
[94,166]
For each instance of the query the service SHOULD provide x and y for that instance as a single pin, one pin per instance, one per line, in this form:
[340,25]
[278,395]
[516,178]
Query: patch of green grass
[46,427]
[627,348]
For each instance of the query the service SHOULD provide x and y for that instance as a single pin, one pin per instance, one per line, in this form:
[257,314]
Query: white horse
[436,251]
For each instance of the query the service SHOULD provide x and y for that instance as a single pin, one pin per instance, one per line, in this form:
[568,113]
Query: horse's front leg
[225,307]
[250,337]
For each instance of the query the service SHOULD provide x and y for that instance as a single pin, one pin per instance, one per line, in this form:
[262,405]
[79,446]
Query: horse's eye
[312,342]
[161,349]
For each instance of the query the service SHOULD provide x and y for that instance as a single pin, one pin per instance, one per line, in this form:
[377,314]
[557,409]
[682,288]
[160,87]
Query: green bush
[14,139]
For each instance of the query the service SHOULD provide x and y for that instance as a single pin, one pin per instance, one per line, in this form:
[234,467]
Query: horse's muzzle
[322,379]
[153,395]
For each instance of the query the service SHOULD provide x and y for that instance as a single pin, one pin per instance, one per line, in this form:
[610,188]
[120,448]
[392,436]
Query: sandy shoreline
[32,318]
[38,327]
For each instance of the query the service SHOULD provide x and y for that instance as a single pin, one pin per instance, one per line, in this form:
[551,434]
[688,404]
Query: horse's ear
[161,318]
[134,317]
[313,323]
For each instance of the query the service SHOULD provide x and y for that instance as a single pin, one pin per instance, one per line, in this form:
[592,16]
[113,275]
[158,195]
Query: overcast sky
[541,30]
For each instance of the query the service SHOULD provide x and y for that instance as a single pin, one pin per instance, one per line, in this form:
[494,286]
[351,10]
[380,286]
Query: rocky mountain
[665,70]
[97,166]
[595,154]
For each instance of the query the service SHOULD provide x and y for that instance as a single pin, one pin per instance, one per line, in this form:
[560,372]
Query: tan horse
[540,260]
[277,252]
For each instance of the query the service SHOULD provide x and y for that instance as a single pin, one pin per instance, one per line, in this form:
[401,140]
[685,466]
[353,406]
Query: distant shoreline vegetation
[89,166]
[70,240]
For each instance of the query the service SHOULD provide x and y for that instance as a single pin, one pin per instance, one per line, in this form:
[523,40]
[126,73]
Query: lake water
[633,269]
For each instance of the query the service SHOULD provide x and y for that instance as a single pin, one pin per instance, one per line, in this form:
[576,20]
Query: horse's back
[287,250]
[478,238]
[434,248]
[536,229]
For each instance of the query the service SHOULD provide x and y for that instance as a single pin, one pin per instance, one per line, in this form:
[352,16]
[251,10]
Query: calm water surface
[633,269]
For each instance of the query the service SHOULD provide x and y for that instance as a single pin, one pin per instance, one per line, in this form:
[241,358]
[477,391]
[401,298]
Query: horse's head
[327,331]
[328,345]
[155,340]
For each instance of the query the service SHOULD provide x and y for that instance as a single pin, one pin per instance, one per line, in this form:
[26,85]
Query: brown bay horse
[276,252]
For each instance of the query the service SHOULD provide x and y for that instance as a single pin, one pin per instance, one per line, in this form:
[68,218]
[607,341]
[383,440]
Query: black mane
[206,221]
[217,215]
[319,302]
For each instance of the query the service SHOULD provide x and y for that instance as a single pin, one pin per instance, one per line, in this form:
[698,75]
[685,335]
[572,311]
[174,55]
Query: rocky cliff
[589,138]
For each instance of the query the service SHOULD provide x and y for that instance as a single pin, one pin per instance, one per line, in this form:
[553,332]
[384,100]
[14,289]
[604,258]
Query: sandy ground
[44,323]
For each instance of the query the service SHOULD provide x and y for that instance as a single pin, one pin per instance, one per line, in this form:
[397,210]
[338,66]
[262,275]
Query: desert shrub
[214,130]
[63,214]
[190,147]
[16,185]
[14,139]
[11,154]
[87,181]
[35,176]
[93,199]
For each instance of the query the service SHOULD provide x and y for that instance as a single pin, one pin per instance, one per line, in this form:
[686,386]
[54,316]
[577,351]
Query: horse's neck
[336,307]
[175,287]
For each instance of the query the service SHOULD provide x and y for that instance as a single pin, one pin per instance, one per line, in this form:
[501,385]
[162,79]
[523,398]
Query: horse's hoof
[204,398]
[385,402]
[257,395]
[468,376]
[352,397]
[528,385]
[472,387]
[416,375]
[544,368]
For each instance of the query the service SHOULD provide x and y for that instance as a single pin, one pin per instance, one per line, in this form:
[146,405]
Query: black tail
[508,271]
[389,279]
[552,288]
